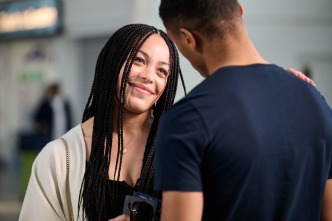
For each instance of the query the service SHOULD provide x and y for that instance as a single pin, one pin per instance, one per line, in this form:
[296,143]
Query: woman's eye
[138,59]
[163,71]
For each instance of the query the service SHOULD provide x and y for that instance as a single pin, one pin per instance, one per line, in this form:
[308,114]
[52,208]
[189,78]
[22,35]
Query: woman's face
[148,76]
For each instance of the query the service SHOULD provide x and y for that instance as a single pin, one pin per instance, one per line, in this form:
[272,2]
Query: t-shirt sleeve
[181,141]
[330,115]
[330,173]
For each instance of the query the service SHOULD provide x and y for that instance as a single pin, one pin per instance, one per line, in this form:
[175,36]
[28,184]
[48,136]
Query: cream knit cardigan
[45,198]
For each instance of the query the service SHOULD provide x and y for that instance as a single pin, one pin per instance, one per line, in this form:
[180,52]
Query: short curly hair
[209,17]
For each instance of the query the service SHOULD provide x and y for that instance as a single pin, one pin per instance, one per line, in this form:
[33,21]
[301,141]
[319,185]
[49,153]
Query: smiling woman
[135,83]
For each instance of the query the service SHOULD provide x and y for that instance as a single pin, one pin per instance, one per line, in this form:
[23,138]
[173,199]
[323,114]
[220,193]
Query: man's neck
[234,50]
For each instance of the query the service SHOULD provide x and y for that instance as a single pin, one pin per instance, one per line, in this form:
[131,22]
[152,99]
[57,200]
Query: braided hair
[121,47]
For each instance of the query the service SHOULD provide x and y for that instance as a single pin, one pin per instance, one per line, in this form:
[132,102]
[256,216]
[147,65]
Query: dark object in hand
[140,211]
[142,207]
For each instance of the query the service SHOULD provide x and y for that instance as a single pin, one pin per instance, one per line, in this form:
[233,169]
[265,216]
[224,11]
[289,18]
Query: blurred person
[111,153]
[53,116]
[251,142]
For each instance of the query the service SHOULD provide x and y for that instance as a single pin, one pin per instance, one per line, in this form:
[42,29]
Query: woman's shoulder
[46,193]
[75,139]
[52,151]
[49,165]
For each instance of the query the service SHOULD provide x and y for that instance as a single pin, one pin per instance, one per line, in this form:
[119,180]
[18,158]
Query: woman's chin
[138,105]
[138,109]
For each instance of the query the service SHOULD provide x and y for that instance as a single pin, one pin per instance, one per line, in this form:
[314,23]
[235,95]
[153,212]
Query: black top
[124,189]
[256,140]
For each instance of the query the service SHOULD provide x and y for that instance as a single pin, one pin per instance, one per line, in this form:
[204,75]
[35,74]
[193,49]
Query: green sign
[32,76]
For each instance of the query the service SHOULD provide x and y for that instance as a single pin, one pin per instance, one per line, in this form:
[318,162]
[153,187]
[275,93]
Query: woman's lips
[141,88]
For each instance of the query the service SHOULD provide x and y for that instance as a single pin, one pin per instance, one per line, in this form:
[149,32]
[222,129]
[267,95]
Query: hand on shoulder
[301,76]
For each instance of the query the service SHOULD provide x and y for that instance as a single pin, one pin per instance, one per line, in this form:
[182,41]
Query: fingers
[121,218]
[301,76]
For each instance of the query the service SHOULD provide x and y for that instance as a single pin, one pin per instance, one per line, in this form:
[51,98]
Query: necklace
[124,148]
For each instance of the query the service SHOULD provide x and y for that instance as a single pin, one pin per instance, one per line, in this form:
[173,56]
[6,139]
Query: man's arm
[180,147]
[184,206]
[326,207]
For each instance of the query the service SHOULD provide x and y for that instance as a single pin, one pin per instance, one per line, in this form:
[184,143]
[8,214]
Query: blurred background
[49,48]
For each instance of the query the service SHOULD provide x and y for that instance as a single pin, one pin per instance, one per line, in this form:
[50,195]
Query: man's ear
[191,39]
[241,9]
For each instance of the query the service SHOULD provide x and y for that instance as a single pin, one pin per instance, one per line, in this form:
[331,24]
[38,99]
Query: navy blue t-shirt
[256,140]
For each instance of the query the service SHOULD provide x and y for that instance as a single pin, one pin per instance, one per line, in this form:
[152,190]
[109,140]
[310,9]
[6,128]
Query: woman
[111,152]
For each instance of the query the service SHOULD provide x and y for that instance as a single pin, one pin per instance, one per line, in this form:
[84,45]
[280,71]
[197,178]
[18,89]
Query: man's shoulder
[223,81]
[198,100]
[180,109]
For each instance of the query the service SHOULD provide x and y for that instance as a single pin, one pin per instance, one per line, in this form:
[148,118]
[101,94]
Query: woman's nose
[147,75]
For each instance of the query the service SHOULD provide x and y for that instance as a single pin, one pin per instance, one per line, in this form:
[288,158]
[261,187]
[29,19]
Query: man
[251,142]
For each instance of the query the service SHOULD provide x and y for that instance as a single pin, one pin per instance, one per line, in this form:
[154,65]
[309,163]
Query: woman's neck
[133,123]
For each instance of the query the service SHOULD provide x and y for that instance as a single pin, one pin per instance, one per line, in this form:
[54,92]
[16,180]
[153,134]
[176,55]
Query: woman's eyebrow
[146,55]
[165,63]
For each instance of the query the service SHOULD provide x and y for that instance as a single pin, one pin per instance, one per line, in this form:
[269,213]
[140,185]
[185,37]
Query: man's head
[53,90]
[209,17]
[192,24]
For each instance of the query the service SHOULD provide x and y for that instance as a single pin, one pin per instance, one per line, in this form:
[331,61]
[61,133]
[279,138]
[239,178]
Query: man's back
[256,140]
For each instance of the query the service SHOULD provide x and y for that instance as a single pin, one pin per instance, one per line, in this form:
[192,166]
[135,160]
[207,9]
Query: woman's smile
[141,88]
